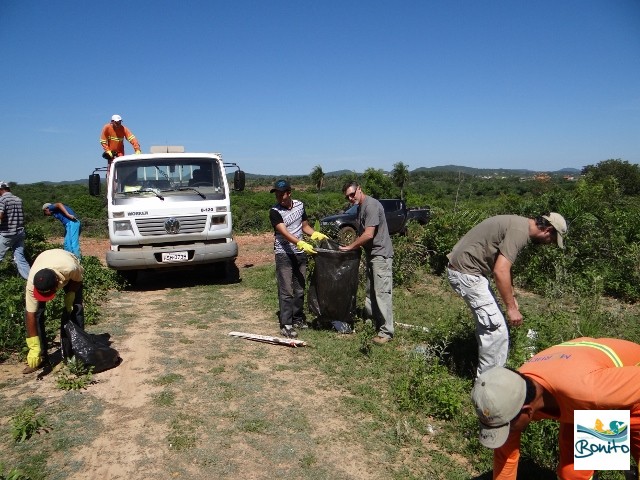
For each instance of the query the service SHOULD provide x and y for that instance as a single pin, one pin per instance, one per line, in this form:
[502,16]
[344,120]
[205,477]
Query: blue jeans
[492,333]
[290,273]
[378,303]
[15,243]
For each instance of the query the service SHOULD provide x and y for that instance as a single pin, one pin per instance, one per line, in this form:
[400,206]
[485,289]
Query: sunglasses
[350,196]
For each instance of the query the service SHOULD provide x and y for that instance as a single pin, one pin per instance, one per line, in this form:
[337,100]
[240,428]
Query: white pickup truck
[169,209]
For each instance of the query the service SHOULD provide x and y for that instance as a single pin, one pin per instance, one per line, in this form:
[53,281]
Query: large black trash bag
[333,285]
[92,350]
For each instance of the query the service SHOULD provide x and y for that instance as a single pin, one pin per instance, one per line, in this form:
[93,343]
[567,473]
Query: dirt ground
[228,393]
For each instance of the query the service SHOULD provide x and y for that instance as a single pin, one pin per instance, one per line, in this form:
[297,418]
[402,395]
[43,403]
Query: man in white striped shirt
[289,220]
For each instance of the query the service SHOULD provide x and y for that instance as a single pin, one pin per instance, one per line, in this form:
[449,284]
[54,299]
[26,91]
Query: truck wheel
[346,235]
[130,276]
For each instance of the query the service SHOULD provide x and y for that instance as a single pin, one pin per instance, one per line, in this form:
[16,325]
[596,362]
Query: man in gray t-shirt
[373,236]
[490,249]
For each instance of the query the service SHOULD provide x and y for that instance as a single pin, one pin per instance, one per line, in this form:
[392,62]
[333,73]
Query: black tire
[131,276]
[346,235]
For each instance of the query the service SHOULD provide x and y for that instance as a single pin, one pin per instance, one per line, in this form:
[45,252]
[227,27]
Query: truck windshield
[168,176]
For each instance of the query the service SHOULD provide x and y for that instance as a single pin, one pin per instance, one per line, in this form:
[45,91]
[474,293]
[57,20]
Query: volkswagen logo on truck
[172,225]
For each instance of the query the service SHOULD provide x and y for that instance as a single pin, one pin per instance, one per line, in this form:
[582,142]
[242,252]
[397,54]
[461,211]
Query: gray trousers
[290,274]
[378,303]
[492,333]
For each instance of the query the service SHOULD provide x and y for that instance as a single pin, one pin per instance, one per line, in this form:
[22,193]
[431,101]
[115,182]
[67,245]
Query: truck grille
[156,226]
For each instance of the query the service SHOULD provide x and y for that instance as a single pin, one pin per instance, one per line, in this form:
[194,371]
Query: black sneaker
[288,331]
[300,325]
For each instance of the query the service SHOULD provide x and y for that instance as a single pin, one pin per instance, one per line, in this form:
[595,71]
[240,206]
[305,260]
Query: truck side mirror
[238,180]
[94,184]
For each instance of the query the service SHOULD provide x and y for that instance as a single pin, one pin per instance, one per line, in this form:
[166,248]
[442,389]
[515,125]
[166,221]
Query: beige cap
[559,223]
[498,396]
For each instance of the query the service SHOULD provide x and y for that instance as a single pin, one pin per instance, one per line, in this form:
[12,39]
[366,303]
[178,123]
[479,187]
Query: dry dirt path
[188,401]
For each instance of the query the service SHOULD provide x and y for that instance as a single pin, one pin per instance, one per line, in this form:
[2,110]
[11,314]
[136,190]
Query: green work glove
[138,152]
[318,236]
[305,247]
[69,298]
[33,357]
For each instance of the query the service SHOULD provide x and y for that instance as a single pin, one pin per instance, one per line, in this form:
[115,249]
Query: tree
[400,175]
[317,177]
[627,175]
[376,183]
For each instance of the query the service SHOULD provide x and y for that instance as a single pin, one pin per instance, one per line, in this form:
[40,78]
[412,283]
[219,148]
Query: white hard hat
[116,118]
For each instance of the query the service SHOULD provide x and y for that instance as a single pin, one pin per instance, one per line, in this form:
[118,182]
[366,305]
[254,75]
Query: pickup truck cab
[344,227]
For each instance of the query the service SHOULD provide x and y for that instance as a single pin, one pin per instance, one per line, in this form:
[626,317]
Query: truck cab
[169,209]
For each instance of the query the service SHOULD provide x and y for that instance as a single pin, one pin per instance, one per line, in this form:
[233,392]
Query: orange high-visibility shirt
[113,138]
[581,374]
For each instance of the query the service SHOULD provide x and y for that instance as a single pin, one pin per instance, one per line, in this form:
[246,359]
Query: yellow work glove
[318,236]
[110,153]
[138,152]
[33,357]
[69,298]
[305,247]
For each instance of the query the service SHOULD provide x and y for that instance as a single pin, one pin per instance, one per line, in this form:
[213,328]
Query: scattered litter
[412,327]
[342,327]
[288,342]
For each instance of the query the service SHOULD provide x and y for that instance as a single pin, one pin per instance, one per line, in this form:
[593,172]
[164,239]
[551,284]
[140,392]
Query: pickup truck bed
[343,226]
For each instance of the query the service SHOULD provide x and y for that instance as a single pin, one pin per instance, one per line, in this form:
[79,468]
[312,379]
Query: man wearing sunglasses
[373,236]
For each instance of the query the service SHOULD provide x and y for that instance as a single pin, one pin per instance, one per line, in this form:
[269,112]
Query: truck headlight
[123,227]
[218,220]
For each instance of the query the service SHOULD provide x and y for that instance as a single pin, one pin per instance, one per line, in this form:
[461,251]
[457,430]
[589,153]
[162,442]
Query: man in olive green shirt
[490,248]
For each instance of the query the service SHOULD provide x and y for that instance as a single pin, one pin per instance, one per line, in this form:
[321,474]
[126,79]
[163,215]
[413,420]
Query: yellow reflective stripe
[608,351]
[103,141]
[117,139]
[131,137]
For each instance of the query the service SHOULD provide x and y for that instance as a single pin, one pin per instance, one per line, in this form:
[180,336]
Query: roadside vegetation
[411,400]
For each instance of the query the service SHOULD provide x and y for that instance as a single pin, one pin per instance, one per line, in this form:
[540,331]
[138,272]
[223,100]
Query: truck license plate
[175,257]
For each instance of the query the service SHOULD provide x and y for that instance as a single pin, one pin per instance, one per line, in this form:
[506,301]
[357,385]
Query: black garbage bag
[333,285]
[92,350]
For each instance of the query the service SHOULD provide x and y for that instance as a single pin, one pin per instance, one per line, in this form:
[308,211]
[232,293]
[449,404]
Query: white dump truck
[168,209]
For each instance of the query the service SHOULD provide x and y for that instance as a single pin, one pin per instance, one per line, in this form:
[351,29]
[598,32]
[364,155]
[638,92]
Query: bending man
[581,374]
[491,248]
[52,270]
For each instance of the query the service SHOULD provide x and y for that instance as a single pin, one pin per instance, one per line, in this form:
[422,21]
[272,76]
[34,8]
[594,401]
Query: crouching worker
[581,374]
[52,270]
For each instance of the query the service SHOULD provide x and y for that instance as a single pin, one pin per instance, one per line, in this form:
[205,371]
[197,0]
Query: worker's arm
[103,138]
[502,276]
[306,228]
[282,230]
[366,236]
[132,139]
[65,212]
[506,458]
[31,324]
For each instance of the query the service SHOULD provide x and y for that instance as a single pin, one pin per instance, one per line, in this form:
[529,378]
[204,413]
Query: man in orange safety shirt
[113,136]
[581,374]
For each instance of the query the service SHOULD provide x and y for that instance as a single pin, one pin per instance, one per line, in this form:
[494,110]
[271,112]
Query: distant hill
[502,172]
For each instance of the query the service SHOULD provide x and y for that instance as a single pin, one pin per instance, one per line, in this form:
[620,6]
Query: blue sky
[282,86]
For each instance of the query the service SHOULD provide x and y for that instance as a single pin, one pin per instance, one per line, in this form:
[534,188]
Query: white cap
[4,184]
[498,395]
[45,206]
[116,118]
